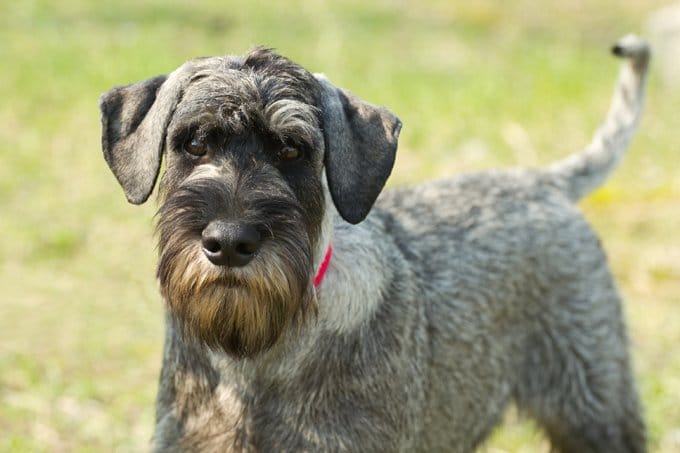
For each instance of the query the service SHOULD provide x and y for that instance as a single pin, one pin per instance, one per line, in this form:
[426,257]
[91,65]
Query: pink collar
[324,267]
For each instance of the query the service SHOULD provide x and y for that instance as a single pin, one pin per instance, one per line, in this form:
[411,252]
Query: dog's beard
[244,311]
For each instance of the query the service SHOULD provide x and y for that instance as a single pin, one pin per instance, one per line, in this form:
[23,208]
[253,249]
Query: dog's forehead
[239,89]
[261,72]
[215,87]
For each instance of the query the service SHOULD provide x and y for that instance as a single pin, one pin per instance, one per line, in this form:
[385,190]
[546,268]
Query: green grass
[477,85]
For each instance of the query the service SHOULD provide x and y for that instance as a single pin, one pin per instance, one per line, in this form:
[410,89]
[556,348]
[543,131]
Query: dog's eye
[289,153]
[195,147]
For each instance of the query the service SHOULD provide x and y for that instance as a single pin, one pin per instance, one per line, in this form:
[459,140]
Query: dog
[308,311]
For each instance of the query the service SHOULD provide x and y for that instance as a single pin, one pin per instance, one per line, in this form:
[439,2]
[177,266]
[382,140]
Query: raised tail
[581,173]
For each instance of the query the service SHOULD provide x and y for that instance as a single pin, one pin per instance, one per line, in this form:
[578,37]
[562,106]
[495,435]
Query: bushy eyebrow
[292,120]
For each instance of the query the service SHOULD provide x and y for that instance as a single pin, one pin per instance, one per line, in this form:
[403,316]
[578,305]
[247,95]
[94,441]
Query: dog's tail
[580,173]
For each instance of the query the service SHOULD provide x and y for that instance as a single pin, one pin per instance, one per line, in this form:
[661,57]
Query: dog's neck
[326,231]
[323,253]
[347,297]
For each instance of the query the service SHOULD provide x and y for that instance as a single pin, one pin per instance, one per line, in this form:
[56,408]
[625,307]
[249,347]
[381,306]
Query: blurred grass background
[477,84]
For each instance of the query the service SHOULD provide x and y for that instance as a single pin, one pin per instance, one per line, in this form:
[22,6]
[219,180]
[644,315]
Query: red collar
[324,267]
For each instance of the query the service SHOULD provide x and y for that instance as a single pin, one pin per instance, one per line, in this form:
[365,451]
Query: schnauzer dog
[304,313]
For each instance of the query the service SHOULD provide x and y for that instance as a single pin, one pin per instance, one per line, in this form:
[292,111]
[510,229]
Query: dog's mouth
[228,278]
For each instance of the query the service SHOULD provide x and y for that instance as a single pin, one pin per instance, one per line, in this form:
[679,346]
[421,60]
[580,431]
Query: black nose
[230,244]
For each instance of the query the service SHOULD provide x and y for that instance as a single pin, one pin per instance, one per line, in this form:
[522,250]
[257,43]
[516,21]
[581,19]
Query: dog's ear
[134,122]
[361,143]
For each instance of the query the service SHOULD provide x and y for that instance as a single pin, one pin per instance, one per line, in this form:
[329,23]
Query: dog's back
[519,299]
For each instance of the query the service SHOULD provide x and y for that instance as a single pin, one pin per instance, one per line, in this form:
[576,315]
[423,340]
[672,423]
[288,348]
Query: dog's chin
[235,311]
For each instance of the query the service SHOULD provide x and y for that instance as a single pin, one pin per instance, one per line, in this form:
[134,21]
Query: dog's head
[247,143]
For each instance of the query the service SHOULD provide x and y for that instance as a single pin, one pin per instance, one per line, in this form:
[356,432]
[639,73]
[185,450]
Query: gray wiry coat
[446,303]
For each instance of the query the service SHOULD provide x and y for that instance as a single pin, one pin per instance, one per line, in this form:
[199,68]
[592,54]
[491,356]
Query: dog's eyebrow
[294,120]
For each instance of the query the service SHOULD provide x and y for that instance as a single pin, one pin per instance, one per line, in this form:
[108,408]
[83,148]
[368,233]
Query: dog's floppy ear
[134,122]
[361,143]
